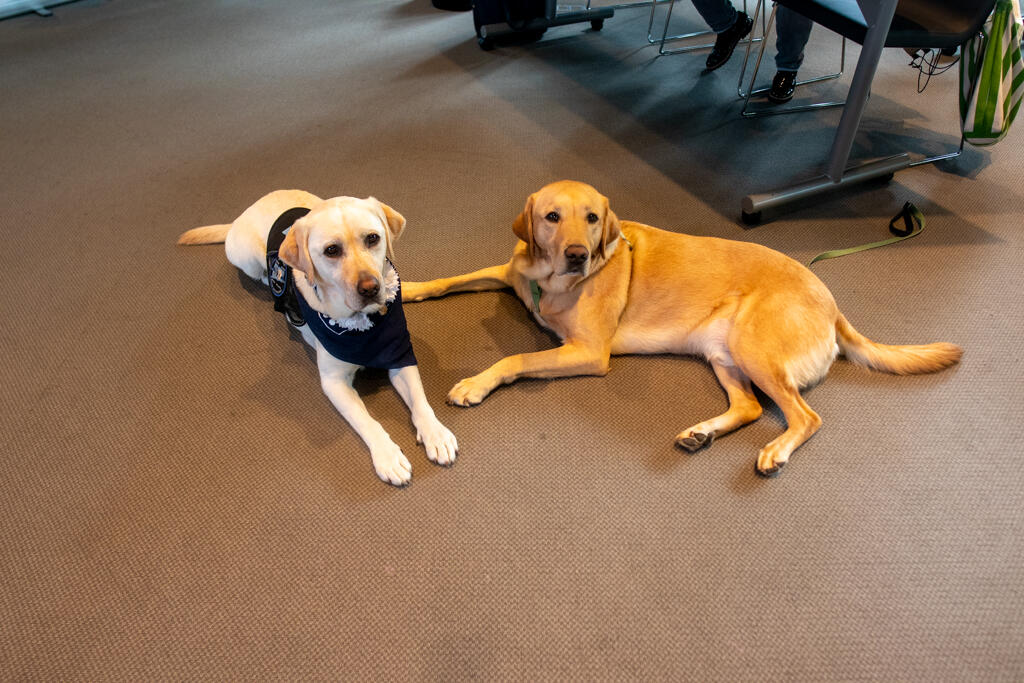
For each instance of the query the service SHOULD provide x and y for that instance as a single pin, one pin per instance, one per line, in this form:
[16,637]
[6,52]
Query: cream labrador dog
[607,287]
[334,280]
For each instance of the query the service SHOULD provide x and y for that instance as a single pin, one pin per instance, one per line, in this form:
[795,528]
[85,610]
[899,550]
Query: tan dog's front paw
[439,443]
[469,392]
[415,291]
[391,465]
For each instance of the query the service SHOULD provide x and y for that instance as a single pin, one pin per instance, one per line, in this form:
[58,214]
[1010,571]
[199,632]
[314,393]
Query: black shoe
[726,41]
[783,86]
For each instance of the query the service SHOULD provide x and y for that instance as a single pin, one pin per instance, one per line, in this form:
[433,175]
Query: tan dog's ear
[395,222]
[523,225]
[294,250]
[610,230]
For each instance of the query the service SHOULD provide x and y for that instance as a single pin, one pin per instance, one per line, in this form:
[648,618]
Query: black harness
[279,273]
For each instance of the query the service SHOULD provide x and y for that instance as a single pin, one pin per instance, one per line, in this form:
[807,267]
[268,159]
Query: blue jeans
[720,15]
[792,29]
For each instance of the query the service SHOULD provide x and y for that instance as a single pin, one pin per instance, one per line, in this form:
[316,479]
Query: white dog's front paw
[469,392]
[439,443]
[391,465]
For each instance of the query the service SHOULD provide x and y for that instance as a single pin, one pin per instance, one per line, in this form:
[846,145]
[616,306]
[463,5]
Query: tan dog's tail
[900,360]
[208,234]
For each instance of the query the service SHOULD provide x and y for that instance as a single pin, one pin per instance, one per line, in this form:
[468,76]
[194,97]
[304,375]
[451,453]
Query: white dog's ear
[610,230]
[394,220]
[294,250]
[523,225]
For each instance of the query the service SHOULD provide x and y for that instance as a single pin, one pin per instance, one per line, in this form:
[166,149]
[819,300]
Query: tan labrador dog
[607,287]
[339,252]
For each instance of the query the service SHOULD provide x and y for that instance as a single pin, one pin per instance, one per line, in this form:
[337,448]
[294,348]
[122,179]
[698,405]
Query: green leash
[913,224]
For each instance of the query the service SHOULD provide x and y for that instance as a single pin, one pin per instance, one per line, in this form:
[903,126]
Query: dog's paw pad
[771,471]
[694,441]
[770,461]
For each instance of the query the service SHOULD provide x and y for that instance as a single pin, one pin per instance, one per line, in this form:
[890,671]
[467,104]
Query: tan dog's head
[341,246]
[568,224]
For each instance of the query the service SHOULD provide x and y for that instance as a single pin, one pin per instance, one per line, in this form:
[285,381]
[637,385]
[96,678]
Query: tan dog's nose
[576,255]
[368,286]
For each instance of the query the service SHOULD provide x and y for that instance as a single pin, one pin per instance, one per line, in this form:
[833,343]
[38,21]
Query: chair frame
[665,38]
[746,112]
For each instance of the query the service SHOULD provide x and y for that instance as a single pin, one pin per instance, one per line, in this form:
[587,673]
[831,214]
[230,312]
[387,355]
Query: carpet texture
[180,501]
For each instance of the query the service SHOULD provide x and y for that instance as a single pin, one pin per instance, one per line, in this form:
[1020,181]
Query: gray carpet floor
[180,501]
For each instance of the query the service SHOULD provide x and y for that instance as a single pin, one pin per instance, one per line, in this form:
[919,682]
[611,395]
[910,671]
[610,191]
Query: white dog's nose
[368,286]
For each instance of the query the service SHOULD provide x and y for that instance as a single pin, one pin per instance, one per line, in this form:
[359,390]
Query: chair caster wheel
[751,218]
[486,44]
[597,24]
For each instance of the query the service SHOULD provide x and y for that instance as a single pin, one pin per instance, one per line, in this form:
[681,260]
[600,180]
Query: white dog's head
[341,246]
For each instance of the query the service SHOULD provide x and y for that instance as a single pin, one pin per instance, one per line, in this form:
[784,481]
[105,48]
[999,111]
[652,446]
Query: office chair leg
[651,40]
[665,38]
[760,55]
[940,157]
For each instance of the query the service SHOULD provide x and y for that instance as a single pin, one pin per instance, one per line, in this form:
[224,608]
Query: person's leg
[792,30]
[720,15]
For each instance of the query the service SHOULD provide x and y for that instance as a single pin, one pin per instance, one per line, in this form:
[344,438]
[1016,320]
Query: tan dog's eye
[552,217]
[592,217]
[372,239]
[332,250]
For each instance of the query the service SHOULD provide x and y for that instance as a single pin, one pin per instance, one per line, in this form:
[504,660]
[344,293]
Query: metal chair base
[754,204]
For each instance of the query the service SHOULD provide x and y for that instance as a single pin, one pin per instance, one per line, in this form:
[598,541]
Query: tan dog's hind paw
[468,392]
[391,465]
[439,443]
[770,462]
[693,440]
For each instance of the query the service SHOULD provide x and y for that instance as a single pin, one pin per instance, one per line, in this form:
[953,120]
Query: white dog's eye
[372,240]
[592,217]
[552,217]
[332,250]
